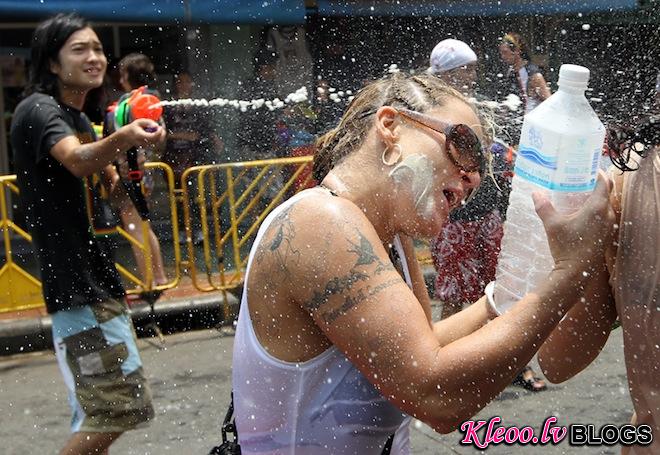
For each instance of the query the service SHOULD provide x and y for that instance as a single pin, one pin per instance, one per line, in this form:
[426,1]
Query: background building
[344,43]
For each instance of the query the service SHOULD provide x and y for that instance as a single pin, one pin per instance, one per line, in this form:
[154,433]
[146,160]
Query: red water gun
[132,106]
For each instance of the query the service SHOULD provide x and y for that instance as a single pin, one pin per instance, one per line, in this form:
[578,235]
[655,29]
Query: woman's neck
[368,196]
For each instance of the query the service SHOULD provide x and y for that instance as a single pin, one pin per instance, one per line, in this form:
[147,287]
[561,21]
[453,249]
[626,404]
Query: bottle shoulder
[572,115]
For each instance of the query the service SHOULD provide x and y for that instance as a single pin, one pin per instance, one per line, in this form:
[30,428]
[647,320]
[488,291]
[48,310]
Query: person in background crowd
[191,141]
[455,63]
[466,251]
[54,145]
[257,135]
[525,78]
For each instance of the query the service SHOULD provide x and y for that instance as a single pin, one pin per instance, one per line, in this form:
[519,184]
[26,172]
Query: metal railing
[19,290]
[146,283]
[244,192]
[225,202]
[232,200]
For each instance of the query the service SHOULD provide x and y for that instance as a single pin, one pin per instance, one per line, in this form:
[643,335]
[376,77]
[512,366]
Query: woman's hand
[583,236]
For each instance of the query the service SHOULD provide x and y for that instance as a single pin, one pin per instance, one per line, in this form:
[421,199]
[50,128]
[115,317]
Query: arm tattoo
[86,153]
[281,244]
[366,255]
[364,251]
[361,296]
[337,285]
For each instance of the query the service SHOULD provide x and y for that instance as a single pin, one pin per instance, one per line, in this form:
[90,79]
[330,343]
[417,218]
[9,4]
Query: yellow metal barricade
[18,289]
[146,283]
[239,196]
[230,201]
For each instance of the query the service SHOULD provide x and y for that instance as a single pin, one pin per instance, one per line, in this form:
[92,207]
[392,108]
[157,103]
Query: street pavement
[190,375]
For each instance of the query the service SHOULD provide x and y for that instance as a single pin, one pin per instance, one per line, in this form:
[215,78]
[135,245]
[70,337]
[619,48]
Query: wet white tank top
[322,405]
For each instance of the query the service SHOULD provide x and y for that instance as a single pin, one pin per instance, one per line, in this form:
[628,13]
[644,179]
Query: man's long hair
[47,40]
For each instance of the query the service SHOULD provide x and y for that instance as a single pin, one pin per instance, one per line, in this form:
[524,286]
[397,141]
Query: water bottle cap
[573,76]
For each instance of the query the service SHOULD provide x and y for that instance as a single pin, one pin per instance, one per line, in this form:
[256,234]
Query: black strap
[388,445]
[229,423]
[134,190]
[228,447]
[229,426]
[332,192]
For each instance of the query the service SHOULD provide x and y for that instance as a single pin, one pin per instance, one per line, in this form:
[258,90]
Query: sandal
[533,384]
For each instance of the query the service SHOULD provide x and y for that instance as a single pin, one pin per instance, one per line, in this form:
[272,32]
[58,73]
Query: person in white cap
[454,62]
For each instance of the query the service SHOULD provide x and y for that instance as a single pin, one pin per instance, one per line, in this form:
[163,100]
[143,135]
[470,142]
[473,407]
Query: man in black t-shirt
[74,270]
[55,147]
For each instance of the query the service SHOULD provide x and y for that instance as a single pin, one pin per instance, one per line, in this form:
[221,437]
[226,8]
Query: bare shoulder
[302,235]
[325,245]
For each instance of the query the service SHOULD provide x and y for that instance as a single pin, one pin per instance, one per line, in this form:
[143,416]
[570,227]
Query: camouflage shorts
[98,356]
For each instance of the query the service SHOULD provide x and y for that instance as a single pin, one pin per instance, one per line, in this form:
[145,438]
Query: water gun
[137,104]
[130,107]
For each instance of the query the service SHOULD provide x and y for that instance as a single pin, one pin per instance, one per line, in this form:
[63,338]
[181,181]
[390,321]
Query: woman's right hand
[581,236]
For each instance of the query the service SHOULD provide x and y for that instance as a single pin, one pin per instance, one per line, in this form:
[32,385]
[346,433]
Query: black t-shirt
[75,271]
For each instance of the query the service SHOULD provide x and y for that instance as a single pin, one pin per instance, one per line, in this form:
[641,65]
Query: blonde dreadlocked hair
[419,93]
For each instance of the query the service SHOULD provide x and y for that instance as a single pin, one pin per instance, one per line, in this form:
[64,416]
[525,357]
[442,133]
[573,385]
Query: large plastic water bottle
[559,152]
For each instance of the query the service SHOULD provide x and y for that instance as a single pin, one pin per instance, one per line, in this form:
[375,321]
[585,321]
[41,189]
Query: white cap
[449,54]
[573,76]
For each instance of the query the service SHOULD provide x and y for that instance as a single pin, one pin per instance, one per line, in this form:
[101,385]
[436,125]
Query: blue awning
[96,10]
[247,12]
[161,11]
[467,7]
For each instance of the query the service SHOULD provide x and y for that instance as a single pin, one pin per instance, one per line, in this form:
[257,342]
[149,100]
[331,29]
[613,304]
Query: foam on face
[417,172]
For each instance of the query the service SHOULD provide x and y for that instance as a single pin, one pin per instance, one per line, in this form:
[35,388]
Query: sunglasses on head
[461,142]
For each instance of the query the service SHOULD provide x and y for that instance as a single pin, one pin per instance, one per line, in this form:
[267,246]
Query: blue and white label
[534,155]
[558,162]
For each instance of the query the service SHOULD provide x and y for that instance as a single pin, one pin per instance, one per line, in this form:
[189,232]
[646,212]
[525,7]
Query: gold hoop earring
[391,162]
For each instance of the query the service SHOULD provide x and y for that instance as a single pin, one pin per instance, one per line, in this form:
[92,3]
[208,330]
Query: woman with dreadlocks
[334,344]
[627,285]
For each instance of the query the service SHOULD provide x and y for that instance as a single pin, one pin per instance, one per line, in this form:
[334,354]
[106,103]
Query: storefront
[340,42]
[211,39]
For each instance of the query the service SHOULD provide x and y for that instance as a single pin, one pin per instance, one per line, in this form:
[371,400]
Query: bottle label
[558,163]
